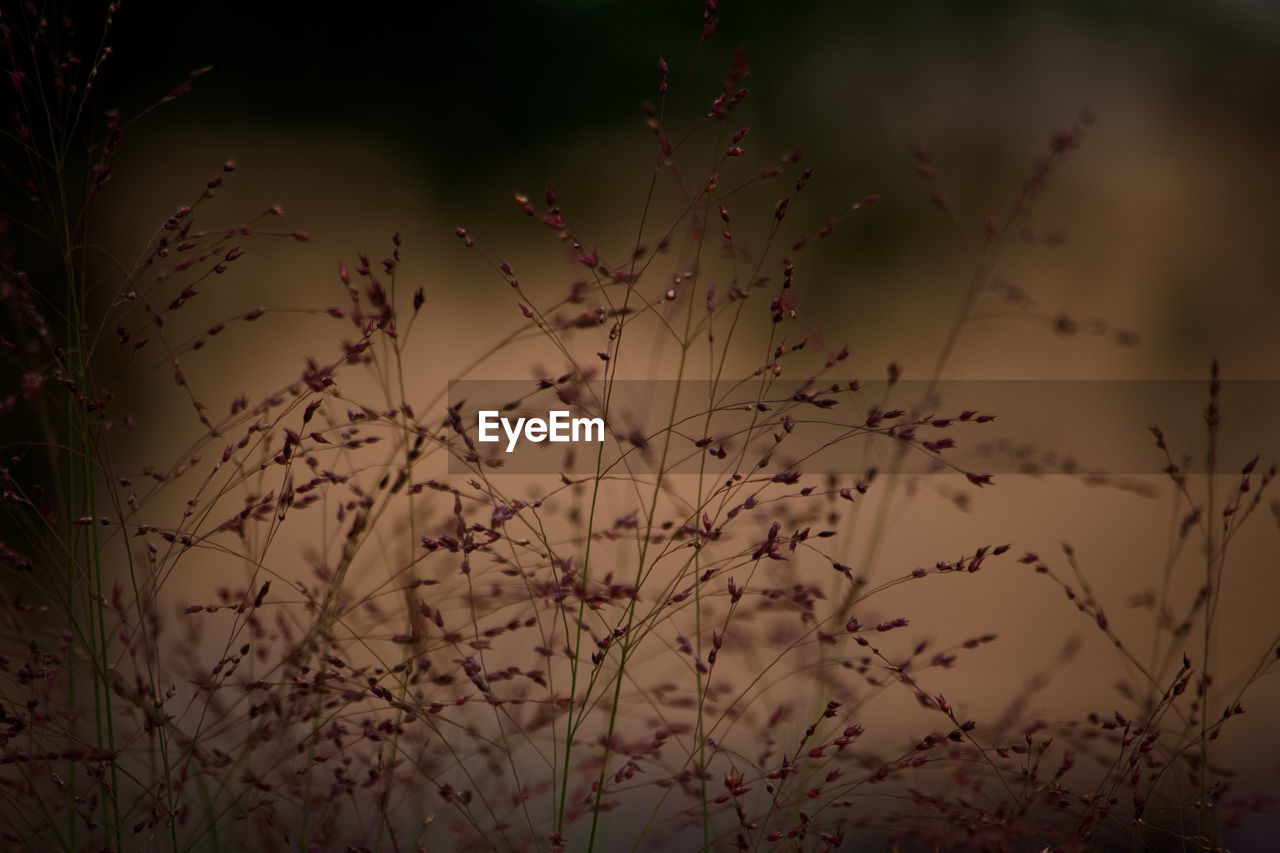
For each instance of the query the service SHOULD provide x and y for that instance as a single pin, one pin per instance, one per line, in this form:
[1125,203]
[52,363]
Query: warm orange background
[1169,211]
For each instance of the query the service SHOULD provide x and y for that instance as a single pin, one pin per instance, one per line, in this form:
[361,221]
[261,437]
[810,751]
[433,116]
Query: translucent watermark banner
[771,428]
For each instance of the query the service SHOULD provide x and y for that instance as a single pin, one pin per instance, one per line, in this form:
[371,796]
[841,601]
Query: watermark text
[558,426]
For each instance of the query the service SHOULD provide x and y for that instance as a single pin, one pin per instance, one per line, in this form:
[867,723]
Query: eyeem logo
[558,427]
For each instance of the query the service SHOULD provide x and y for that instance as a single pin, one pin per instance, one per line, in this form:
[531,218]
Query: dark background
[1173,200]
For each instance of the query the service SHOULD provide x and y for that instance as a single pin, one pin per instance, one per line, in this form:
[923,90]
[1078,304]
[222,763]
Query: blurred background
[419,120]
[423,118]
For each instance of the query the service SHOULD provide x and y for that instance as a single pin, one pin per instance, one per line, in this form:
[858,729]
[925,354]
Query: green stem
[384,819]
[81,501]
[1202,830]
